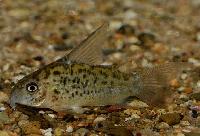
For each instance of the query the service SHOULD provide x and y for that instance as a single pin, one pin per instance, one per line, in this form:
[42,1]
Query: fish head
[30,91]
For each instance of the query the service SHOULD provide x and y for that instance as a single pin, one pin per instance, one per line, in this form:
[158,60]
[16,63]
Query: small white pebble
[186,130]
[41,112]
[69,129]
[52,115]
[198,84]
[128,119]
[2,108]
[6,67]
[47,132]
[184,76]
[194,61]
[181,89]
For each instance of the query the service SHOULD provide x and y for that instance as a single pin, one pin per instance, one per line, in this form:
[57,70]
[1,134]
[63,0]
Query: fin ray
[90,50]
[156,83]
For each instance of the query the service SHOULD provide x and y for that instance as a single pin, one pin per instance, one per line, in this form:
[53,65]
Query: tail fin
[155,82]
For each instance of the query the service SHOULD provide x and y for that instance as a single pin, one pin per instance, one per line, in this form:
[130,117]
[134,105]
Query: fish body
[78,85]
[79,80]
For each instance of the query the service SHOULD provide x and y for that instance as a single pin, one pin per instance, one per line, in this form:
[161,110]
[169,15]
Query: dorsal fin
[90,50]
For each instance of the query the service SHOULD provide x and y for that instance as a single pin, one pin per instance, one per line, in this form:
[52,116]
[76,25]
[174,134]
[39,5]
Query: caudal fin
[155,82]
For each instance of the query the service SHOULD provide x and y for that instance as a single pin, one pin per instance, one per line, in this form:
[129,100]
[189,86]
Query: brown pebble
[31,128]
[171,118]
[174,83]
[188,90]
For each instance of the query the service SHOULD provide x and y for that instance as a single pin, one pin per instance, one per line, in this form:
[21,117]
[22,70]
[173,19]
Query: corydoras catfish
[79,80]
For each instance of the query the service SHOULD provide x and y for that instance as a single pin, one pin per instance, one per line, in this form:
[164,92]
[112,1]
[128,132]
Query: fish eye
[32,87]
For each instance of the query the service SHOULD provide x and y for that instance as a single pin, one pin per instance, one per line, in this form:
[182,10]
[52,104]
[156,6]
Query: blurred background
[44,30]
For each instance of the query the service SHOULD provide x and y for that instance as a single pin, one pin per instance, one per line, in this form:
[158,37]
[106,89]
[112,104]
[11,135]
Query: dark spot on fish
[54,98]
[104,82]
[84,84]
[84,76]
[56,72]
[126,77]
[78,81]
[111,83]
[47,73]
[80,70]
[67,91]
[114,75]
[64,81]
[95,80]
[75,86]
[56,91]
[76,92]
[84,92]
[71,71]
[54,80]
[104,74]
[91,92]
[81,94]
[74,80]
[73,95]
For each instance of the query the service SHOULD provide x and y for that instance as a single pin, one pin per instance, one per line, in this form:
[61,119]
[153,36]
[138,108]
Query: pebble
[47,132]
[162,125]
[4,133]
[4,119]
[174,83]
[147,39]
[58,132]
[82,131]
[99,119]
[195,96]
[52,115]
[135,116]
[31,128]
[2,109]
[133,113]
[138,104]
[134,48]
[170,118]
[119,131]
[184,97]
[131,40]
[130,15]
[184,76]
[4,97]
[194,61]
[198,36]
[126,29]
[198,84]
[188,90]
[180,89]
[184,123]
[69,129]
